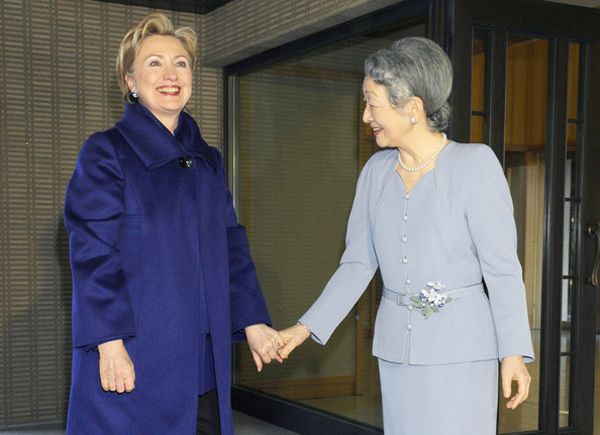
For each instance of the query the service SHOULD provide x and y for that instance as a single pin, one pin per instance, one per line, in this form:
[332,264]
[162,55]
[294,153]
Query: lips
[169,90]
[376,130]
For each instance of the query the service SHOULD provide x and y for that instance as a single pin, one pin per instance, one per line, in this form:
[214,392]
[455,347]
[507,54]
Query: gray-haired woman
[436,217]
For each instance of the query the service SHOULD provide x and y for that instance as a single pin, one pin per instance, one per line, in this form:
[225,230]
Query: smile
[169,90]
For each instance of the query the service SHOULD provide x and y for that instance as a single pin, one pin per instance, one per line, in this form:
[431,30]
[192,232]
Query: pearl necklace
[426,162]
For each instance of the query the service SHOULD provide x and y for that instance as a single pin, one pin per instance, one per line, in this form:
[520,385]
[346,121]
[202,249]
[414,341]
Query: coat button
[409,307]
[404,238]
[405,217]
[409,326]
[186,162]
[407,281]
[405,260]
[407,196]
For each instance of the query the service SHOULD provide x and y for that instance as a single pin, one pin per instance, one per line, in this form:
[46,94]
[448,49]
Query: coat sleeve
[94,209]
[248,306]
[489,212]
[356,269]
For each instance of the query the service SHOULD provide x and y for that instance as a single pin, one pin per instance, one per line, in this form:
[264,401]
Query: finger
[266,357]
[112,382]
[104,381]
[506,384]
[286,350]
[280,341]
[277,358]
[129,383]
[120,384]
[257,361]
[522,391]
[274,356]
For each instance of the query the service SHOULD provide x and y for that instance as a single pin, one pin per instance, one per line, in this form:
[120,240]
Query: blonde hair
[152,24]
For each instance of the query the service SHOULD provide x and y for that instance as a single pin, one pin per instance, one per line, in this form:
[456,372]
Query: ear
[130,82]
[416,108]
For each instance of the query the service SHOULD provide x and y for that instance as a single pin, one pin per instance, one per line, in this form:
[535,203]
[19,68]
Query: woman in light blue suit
[436,217]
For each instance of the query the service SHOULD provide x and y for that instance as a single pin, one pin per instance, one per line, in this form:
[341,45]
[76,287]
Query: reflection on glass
[477,125]
[301,146]
[563,403]
[478,91]
[525,133]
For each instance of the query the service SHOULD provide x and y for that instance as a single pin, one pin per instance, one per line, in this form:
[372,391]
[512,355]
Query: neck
[418,146]
[170,121]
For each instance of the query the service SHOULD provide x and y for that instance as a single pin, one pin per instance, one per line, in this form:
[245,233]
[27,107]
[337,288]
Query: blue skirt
[445,399]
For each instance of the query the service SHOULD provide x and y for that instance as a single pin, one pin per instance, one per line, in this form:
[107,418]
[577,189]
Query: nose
[366,117]
[170,72]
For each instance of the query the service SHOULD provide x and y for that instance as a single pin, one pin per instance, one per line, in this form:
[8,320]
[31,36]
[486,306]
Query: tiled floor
[244,425]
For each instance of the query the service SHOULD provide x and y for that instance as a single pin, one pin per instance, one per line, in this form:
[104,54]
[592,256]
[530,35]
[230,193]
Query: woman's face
[388,123]
[162,76]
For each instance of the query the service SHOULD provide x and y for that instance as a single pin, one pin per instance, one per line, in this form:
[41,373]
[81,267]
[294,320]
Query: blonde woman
[162,274]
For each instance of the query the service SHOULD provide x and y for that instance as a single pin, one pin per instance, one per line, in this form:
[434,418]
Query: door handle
[594,231]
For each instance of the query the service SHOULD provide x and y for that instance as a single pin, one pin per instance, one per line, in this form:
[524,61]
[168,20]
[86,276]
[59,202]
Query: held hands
[513,369]
[264,342]
[293,337]
[116,369]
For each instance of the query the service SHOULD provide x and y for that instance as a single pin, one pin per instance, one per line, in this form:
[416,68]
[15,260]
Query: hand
[116,369]
[513,369]
[264,342]
[293,337]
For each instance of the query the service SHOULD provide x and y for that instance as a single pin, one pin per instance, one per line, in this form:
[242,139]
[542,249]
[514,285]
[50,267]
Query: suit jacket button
[186,162]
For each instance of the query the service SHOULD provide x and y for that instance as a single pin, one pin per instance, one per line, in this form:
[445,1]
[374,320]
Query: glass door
[531,98]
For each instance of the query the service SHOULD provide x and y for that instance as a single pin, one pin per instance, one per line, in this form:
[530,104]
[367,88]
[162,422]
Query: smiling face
[389,124]
[162,77]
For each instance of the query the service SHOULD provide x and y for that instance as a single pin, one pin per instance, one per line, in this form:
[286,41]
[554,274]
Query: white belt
[458,293]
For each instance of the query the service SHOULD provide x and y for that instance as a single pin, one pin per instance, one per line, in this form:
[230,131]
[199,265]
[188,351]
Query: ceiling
[195,6]
[205,6]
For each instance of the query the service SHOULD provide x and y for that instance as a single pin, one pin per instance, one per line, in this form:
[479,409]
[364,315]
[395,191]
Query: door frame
[560,24]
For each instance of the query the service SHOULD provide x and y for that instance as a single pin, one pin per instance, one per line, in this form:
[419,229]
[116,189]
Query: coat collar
[153,142]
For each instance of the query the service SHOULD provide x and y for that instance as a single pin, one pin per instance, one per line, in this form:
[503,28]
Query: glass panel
[563,403]
[301,146]
[478,91]
[571,195]
[477,124]
[572,94]
[525,132]
[478,71]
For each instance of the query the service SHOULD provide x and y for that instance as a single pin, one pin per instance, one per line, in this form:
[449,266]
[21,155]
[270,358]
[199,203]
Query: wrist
[304,329]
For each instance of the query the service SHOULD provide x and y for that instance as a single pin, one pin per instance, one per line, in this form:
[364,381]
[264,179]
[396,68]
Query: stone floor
[244,425]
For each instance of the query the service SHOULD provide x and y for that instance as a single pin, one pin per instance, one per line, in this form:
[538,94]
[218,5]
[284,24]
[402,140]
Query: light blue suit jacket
[456,227]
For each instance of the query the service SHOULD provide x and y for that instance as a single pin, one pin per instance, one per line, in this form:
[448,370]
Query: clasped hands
[117,373]
[267,345]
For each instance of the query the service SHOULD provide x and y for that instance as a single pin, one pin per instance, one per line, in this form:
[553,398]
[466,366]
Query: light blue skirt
[447,399]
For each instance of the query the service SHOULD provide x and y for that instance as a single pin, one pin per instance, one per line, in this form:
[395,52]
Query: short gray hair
[415,67]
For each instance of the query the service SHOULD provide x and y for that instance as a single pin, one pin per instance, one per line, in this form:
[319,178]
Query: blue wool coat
[155,249]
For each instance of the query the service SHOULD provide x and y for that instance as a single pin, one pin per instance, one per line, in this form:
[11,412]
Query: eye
[181,64]
[154,63]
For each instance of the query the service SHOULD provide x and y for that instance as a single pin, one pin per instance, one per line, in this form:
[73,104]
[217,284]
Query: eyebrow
[160,56]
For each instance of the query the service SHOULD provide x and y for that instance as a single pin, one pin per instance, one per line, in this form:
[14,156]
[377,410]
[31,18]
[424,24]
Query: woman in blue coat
[162,274]
[436,217]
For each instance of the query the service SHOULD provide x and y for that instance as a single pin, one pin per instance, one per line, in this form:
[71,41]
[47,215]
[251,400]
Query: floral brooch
[430,300]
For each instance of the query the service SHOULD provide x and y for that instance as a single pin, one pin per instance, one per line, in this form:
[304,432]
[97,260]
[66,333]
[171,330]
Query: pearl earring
[134,94]
[413,120]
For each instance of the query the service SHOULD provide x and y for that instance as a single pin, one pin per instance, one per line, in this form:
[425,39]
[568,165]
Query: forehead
[372,88]
[161,45]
